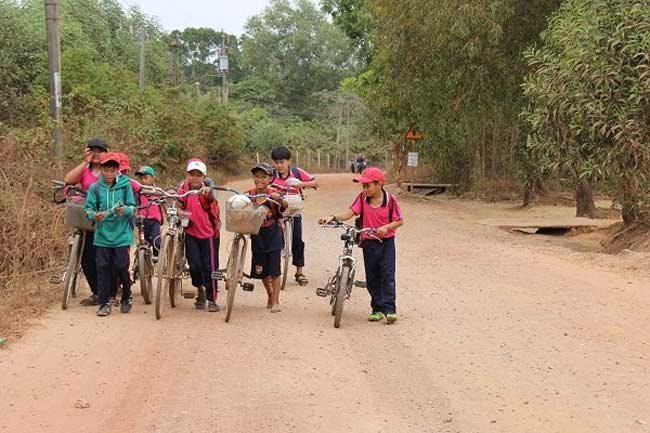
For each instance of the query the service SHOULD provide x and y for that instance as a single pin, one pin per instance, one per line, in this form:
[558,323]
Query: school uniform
[152,221]
[113,236]
[297,244]
[267,245]
[379,257]
[202,240]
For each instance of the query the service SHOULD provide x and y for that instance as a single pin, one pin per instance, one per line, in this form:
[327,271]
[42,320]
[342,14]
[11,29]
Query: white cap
[197,165]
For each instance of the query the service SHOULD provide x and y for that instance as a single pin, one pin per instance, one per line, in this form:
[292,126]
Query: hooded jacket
[114,230]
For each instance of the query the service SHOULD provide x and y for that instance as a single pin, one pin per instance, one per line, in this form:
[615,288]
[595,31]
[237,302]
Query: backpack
[358,222]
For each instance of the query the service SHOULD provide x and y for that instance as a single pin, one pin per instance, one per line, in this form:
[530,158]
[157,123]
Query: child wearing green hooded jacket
[110,203]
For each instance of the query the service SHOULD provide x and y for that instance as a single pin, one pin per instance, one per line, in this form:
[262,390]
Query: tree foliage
[589,94]
[296,52]
[456,70]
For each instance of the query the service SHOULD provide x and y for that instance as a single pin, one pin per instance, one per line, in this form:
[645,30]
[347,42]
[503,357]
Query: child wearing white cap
[202,235]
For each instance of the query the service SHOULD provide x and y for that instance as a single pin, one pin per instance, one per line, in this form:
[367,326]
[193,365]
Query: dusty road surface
[498,333]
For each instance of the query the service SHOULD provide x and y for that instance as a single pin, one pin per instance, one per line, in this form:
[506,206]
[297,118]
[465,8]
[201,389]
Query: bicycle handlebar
[370,231]
[59,185]
[155,190]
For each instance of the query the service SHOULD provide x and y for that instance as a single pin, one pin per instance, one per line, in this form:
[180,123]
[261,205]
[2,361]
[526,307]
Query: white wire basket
[296,204]
[247,220]
[75,215]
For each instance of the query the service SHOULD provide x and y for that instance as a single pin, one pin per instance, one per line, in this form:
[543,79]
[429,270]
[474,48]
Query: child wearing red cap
[377,209]
[110,202]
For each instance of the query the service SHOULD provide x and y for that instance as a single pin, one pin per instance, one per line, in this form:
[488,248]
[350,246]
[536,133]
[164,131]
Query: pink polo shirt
[200,225]
[152,212]
[88,177]
[303,176]
[375,217]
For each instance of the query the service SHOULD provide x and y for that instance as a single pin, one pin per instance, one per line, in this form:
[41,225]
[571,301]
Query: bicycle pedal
[360,284]
[55,279]
[219,276]
[322,292]
[188,295]
[248,287]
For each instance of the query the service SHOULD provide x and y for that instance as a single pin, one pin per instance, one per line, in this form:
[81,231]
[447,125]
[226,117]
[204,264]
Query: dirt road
[498,333]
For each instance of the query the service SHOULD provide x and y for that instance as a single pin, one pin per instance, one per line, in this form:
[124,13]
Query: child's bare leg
[269,291]
[275,283]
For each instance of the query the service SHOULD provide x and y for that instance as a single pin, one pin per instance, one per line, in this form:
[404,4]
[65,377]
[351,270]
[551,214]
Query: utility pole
[54,57]
[223,66]
[142,40]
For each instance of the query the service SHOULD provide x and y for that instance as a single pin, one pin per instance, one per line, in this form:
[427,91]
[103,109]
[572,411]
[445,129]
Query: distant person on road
[360,163]
[288,175]
[378,209]
[110,203]
[202,237]
[85,174]
[267,245]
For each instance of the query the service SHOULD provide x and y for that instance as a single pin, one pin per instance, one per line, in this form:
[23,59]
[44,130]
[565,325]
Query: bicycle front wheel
[165,269]
[341,293]
[145,271]
[233,273]
[286,251]
[71,277]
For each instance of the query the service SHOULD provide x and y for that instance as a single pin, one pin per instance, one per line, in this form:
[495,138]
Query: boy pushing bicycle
[378,209]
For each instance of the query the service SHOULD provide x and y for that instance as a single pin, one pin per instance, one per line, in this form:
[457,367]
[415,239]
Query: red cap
[371,174]
[109,156]
[125,165]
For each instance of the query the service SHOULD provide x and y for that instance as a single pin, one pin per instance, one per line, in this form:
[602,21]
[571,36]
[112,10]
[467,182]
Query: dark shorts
[266,264]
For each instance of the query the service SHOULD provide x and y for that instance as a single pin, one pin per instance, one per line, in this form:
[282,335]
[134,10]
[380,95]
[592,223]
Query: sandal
[90,301]
[301,279]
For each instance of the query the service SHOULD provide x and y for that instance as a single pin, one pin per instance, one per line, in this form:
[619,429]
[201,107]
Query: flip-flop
[90,301]
[301,279]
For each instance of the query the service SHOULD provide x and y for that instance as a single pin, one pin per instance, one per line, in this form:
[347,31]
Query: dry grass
[32,236]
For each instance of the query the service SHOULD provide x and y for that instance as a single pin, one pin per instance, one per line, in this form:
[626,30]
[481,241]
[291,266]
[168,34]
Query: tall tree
[589,93]
[296,50]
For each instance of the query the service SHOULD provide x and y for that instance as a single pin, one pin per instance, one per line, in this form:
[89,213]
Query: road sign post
[412,136]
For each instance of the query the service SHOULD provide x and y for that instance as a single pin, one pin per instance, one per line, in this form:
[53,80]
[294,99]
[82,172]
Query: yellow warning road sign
[413,133]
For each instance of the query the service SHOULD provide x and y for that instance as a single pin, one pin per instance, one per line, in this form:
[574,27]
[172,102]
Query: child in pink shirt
[378,209]
[202,235]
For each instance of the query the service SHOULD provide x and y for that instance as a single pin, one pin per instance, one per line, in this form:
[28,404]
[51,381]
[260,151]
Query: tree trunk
[585,206]
[629,210]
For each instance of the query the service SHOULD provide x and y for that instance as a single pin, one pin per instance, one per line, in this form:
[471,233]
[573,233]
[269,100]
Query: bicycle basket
[296,203]
[246,220]
[75,215]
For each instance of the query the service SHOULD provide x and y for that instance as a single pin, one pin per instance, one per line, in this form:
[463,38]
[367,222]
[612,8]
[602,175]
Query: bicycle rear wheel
[71,277]
[286,251]
[341,293]
[145,271]
[165,267]
[233,273]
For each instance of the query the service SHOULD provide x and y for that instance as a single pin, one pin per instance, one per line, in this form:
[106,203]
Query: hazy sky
[229,15]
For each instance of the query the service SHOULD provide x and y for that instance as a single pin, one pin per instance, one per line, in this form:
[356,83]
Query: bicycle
[75,217]
[171,257]
[242,221]
[339,285]
[143,264]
